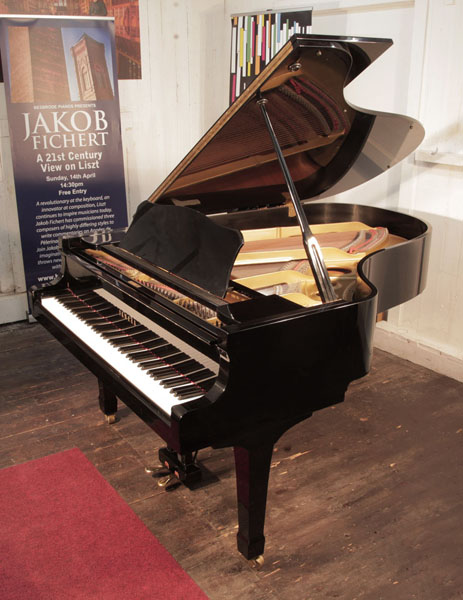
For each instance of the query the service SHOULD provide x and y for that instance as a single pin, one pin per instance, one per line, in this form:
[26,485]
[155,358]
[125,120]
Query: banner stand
[64,122]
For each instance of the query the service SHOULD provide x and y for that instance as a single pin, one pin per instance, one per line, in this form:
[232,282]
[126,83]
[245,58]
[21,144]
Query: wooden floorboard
[365,499]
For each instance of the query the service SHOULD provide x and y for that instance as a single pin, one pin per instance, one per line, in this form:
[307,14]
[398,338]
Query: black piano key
[102,309]
[71,303]
[130,349]
[187,391]
[190,394]
[147,365]
[89,294]
[97,300]
[86,310]
[97,318]
[153,345]
[193,370]
[134,353]
[207,383]
[84,313]
[156,363]
[131,345]
[186,375]
[140,355]
[201,375]
[66,293]
[102,327]
[196,376]
[146,336]
[140,341]
[173,360]
[172,382]
[80,297]
[134,329]
[117,322]
[188,365]
[163,372]
[119,334]
[163,352]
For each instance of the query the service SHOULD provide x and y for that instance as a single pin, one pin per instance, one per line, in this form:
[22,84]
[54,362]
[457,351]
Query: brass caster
[110,419]
[257,562]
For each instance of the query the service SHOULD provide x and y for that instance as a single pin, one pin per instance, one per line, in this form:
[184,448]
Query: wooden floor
[365,500]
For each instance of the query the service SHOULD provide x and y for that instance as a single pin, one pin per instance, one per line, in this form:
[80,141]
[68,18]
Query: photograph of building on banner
[64,120]
[126,19]
[256,38]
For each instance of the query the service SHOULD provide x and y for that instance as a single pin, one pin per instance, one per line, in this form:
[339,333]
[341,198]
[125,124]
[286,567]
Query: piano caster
[257,562]
[110,419]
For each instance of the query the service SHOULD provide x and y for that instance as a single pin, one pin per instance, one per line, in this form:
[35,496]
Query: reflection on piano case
[213,317]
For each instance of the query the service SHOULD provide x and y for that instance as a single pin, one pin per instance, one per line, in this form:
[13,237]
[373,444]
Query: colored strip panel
[233,88]
[269,40]
[264,37]
[241,53]
[249,40]
[233,51]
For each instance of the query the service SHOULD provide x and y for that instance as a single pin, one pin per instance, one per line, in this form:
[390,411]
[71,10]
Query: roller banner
[64,121]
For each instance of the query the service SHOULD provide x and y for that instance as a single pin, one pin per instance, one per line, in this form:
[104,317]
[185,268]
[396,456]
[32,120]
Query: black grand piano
[233,308]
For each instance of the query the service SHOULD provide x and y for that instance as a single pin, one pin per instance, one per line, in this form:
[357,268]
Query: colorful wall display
[256,39]
[126,18]
[64,120]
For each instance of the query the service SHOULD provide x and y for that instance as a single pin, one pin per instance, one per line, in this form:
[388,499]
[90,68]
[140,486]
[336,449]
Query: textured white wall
[185,54]
[429,329]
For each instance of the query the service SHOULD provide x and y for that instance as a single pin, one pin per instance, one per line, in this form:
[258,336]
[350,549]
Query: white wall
[429,329]
[185,54]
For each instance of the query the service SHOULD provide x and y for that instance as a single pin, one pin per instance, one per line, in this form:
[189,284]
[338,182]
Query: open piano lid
[329,146]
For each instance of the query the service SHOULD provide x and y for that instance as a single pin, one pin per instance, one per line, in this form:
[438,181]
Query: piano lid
[329,145]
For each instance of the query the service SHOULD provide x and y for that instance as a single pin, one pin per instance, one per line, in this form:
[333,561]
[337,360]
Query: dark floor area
[365,499]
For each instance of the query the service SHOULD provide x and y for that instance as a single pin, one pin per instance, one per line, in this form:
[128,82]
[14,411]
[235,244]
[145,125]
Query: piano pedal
[156,471]
[169,482]
[166,479]
[182,466]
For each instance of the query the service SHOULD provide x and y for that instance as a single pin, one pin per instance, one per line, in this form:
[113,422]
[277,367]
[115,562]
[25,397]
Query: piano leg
[252,473]
[108,402]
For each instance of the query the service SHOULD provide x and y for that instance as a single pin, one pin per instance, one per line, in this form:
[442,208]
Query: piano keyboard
[165,369]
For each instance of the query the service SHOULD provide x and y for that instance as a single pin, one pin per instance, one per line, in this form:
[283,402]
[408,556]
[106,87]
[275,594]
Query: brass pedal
[169,482]
[166,479]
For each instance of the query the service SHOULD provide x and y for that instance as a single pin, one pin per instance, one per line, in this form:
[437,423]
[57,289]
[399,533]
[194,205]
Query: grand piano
[239,301]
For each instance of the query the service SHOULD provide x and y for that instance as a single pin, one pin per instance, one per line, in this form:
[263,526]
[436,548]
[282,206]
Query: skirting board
[13,307]
[420,354]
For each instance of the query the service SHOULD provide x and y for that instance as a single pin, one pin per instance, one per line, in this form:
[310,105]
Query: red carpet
[65,533]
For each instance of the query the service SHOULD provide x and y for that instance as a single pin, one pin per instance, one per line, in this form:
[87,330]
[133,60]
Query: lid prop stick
[312,248]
